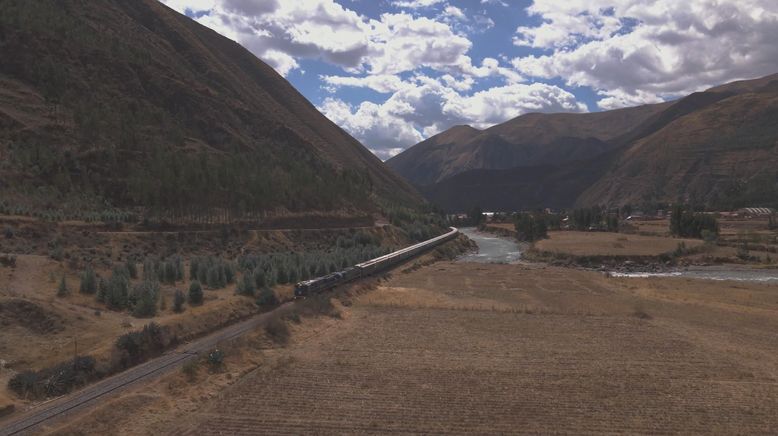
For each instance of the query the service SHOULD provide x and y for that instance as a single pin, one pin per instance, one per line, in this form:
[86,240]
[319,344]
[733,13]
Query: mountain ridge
[716,147]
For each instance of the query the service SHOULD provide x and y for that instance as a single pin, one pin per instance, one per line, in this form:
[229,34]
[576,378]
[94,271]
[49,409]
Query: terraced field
[473,348]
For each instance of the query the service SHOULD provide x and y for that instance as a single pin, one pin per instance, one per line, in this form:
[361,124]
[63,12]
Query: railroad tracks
[48,413]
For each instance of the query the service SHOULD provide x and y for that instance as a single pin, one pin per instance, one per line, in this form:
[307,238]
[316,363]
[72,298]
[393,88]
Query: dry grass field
[473,348]
[610,244]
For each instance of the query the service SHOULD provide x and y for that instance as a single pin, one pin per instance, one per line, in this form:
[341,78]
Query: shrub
[62,289]
[8,232]
[277,330]
[57,252]
[8,260]
[88,281]
[54,381]
[138,346]
[190,370]
[216,359]
[132,268]
[178,301]
[266,297]
[195,293]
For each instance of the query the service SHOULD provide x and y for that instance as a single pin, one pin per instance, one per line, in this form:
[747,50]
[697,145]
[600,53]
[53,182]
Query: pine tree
[62,289]
[88,281]
[178,301]
[195,293]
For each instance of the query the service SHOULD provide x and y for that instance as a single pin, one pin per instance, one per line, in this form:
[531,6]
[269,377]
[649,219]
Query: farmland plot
[465,348]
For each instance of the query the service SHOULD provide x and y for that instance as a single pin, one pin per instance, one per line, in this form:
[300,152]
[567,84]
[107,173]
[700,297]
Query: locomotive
[364,269]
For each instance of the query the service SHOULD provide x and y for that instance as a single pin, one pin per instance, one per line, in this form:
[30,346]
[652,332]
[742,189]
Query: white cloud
[636,52]
[425,106]
[416,4]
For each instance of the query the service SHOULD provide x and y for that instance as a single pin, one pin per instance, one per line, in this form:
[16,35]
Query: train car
[319,284]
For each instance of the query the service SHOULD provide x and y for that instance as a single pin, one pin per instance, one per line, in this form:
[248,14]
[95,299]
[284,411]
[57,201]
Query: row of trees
[685,222]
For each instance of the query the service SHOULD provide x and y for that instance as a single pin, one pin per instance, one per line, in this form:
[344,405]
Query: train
[372,266]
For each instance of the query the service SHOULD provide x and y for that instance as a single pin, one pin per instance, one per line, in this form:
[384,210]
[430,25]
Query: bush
[8,260]
[216,359]
[190,369]
[277,330]
[178,301]
[136,347]
[54,381]
[62,289]
[195,293]
[8,232]
[266,297]
[88,281]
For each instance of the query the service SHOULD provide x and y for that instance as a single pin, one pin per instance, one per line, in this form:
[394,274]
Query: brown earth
[474,348]
[610,244]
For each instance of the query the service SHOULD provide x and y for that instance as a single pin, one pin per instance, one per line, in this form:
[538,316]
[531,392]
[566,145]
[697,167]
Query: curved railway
[49,412]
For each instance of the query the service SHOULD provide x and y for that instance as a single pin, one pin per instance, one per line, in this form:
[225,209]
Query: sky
[395,72]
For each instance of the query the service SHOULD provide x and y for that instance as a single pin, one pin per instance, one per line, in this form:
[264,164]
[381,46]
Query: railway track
[51,411]
[48,413]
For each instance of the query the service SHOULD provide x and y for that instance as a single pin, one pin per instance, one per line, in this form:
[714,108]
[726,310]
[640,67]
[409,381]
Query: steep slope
[724,155]
[135,105]
[531,139]
[717,148]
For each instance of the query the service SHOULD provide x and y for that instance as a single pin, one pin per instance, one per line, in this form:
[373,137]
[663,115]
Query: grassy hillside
[129,105]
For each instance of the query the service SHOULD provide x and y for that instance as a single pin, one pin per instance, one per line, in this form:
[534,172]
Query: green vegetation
[214,272]
[266,297]
[195,293]
[88,281]
[167,270]
[138,346]
[143,299]
[54,381]
[62,289]
[595,218]
[178,301]
[686,223]
[417,225]
[531,227]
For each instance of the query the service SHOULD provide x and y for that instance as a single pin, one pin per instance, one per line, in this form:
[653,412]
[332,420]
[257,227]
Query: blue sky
[394,72]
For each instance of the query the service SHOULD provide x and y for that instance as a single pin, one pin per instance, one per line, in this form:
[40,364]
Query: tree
[178,301]
[88,281]
[476,215]
[246,286]
[530,227]
[684,222]
[195,293]
[62,289]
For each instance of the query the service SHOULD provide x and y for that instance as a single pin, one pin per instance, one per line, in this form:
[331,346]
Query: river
[491,249]
[494,249]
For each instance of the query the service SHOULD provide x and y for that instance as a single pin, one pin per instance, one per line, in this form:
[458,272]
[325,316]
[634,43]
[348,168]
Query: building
[755,211]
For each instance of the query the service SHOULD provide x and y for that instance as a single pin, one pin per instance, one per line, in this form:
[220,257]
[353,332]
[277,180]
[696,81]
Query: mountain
[717,148]
[128,104]
[530,139]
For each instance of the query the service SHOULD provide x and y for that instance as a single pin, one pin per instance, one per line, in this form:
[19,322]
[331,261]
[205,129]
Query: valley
[461,347]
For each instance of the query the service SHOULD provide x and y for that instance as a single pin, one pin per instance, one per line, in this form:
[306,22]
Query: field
[474,348]
[610,244]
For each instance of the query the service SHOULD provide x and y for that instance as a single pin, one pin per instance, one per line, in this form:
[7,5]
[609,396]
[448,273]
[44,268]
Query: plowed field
[468,348]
